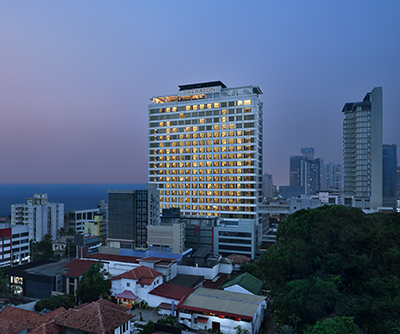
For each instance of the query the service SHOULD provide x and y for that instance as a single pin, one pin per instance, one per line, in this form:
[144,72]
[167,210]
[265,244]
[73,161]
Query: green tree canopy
[93,284]
[66,301]
[3,281]
[334,260]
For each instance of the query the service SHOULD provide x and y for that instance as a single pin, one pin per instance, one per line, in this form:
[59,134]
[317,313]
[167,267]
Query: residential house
[98,317]
[243,283]
[139,281]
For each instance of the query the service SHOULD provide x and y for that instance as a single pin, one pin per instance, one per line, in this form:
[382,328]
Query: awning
[127,294]
[202,320]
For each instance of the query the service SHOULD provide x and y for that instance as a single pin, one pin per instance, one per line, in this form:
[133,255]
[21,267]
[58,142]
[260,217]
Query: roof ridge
[97,303]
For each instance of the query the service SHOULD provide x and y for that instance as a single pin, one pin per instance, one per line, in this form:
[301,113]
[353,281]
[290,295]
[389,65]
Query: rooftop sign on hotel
[203,90]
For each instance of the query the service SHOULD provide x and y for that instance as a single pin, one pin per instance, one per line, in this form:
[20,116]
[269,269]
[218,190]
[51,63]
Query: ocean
[74,196]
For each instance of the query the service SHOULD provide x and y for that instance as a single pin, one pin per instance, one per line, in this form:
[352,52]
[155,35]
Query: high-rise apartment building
[205,149]
[129,214]
[40,215]
[305,171]
[362,151]
[389,176]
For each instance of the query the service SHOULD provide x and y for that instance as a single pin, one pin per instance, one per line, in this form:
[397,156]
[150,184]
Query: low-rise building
[222,311]
[139,281]
[243,283]
[98,317]
[14,244]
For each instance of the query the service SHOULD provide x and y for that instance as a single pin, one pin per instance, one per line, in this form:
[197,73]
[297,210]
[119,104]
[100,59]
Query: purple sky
[76,77]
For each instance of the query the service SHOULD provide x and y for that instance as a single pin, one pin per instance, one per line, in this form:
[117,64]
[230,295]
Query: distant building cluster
[178,242]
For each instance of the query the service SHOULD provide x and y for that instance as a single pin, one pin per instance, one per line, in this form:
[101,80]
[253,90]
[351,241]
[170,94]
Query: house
[167,294]
[238,260]
[99,317]
[243,283]
[73,272]
[15,320]
[138,281]
[221,310]
[118,264]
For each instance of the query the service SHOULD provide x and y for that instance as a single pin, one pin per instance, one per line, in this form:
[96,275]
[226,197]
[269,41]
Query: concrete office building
[267,186]
[205,149]
[14,245]
[362,151]
[389,176]
[41,216]
[129,213]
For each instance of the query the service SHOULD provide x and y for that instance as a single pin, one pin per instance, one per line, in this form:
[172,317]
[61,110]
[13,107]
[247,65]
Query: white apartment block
[78,218]
[14,245]
[205,149]
[39,215]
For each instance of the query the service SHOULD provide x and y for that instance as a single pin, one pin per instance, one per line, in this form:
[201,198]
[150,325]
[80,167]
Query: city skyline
[76,78]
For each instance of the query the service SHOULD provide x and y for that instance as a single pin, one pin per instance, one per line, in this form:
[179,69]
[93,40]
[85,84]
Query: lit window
[195,128]
[187,129]
[202,135]
[168,110]
[223,112]
[174,130]
[161,123]
[201,106]
[239,103]
[247,110]
[216,127]
[174,108]
[247,102]
[201,121]
[195,107]
[231,126]
[181,115]
[223,119]
[216,105]
[209,105]
[188,107]
[168,123]
[209,134]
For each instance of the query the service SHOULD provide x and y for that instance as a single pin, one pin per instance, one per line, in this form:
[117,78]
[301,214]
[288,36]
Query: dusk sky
[76,77]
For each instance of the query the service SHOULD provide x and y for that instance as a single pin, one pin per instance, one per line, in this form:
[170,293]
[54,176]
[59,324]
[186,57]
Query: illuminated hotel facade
[205,149]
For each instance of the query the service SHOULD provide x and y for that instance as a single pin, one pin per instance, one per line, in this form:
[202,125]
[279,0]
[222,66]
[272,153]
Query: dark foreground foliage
[333,261]
[66,301]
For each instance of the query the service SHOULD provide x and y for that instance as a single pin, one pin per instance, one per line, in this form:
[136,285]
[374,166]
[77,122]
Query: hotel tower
[205,149]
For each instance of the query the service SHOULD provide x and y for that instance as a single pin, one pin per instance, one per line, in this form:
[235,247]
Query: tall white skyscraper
[362,151]
[205,149]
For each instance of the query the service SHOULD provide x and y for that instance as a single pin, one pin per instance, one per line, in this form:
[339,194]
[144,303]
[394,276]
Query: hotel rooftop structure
[205,149]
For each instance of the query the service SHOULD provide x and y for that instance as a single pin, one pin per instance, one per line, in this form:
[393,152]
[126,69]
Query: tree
[42,249]
[334,260]
[3,281]
[338,325]
[66,301]
[93,284]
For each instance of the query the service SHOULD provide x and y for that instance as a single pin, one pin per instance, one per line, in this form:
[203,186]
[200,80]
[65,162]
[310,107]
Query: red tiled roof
[238,259]
[99,317]
[77,267]
[142,274]
[13,320]
[47,328]
[127,294]
[111,257]
[165,306]
[172,291]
